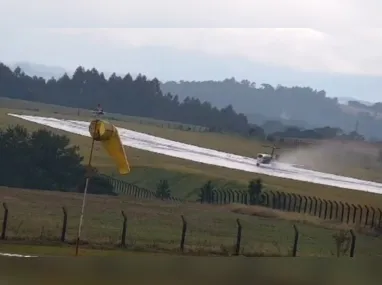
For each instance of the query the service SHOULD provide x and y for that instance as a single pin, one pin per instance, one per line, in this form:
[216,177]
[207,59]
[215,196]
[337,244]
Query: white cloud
[191,13]
[357,51]
[339,34]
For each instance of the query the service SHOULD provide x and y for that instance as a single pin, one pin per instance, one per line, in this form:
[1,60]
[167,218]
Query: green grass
[35,217]
[155,226]
[184,176]
[44,250]
[183,185]
[137,268]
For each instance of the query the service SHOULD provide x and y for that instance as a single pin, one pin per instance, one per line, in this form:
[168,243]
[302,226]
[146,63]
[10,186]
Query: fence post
[289,202]
[331,210]
[326,209]
[238,237]
[124,229]
[315,206]
[5,221]
[201,196]
[64,224]
[273,200]
[232,194]
[215,194]
[320,208]
[310,205]
[184,229]
[278,207]
[224,197]
[300,203]
[354,212]
[348,213]
[367,215]
[360,214]
[268,203]
[372,217]
[243,198]
[284,201]
[336,209]
[352,247]
[295,243]
[237,200]
[294,203]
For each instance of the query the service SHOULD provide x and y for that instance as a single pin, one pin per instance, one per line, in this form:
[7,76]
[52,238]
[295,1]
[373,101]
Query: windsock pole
[111,141]
[88,174]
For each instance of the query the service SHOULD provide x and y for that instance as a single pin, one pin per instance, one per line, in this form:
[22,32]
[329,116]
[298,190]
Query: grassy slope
[184,176]
[156,225]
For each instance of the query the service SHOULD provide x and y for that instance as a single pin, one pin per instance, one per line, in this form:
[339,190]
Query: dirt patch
[337,157]
[263,212]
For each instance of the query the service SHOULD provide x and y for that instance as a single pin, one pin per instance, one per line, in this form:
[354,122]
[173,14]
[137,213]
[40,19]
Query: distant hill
[300,106]
[47,72]
[346,100]
[138,97]
[40,70]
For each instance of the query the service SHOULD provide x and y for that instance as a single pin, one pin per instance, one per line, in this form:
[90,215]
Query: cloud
[355,51]
[321,35]
[325,14]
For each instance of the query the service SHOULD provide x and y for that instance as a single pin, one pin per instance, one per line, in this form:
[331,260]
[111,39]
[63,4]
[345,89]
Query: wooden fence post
[238,237]
[184,230]
[124,229]
[64,224]
[5,222]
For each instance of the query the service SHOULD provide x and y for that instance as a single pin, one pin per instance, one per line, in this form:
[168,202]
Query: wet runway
[209,156]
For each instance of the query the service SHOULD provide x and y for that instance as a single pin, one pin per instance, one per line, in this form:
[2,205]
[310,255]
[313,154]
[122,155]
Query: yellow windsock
[107,134]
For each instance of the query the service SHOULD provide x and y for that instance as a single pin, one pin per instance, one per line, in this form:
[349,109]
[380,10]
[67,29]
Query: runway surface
[209,156]
[15,255]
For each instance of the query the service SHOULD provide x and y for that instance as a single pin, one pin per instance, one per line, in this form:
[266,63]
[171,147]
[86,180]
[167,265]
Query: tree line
[275,130]
[254,189]
[135,97]
[45,161]
[143,98]
[376,107]
[303,107]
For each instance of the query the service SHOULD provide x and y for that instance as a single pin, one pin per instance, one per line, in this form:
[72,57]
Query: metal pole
[84,198]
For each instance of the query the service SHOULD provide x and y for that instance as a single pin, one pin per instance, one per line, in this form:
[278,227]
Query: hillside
[302,106]
[264,110]
[124,95]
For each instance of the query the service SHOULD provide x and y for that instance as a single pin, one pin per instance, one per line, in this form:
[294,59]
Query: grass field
[155,226]
[169,269]
[183,176]
[35,217]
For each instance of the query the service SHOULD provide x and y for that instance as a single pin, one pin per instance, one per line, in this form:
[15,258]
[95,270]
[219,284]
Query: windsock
[107,134]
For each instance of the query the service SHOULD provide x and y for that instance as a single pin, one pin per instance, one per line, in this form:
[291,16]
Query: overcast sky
[339,36]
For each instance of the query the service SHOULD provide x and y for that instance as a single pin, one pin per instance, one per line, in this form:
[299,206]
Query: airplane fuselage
[263,159]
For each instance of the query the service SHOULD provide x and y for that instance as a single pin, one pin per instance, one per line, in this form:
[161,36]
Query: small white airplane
[265,158]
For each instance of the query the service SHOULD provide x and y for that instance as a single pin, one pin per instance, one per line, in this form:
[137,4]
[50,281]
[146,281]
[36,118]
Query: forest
[300,106]
[375,108]
[124,95]
[142,97]
[44,161]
